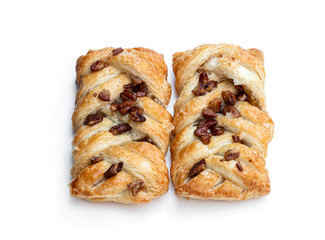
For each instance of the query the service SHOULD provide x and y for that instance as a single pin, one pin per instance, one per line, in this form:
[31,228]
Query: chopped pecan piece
[231,154]
[199,90]
[208,123]
[229,97]
[120,128]
[142,90]
[231,111]
[124,107]
[215,105]
[239,166]
[136,186]
[104,95]
[93,119]
[209,86]
[117,51]
[113,170]
[137,117]
[197,168]
[239,88]
[136,81]
[98,66]
[114,106]
[217,131]
[128,87]
[236,138]
[126,95]
[136,109]
[96,159]
[205,138]
[203,78]
[208,113]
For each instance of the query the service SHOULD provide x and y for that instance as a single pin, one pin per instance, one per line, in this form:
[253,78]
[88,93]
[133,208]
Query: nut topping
[231,154]
[229,97]
[210,85]
[208,123]
[120,128]
[93,119]
[215,105]
[137,117]
[126,95]
[239,166]
[117,51]
[104,95]
[208,113]
[236,138]
[136,81]
[136,186]
[95,160]
[205,138]
[240,88]
[113,170]
[136,109]
[199,90]
[114,106]
[124,107]
[231,111]
[203,79]
[197,168]
[201,130]
[98,66]
[217,131]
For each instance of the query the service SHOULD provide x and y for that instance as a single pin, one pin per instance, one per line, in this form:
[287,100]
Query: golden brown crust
[221,179]
[142,148]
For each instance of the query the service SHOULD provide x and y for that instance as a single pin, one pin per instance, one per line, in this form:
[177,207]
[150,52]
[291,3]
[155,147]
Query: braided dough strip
[206,170]
[137,154]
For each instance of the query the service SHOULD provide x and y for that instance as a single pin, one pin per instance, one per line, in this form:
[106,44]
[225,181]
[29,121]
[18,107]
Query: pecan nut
[120,128]
[231,154]
[197,168]
[93,119]
[104,95]
[239,166]
[203,78]
[231,111]
[96,159]
[208,113]
[199,90]
[136,186]
[215,105]
[236,138]
[113,170]
[117,51]
[98,66]
[137,117]
[217,131]
[229,97]
[126,95]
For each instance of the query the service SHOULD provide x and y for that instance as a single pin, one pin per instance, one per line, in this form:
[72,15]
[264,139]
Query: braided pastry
[121,126]
[221,126]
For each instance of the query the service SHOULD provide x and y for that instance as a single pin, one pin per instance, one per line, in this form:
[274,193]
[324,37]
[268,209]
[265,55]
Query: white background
[40,43]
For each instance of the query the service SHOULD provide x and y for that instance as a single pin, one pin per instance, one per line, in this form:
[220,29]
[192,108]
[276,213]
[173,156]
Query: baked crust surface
[220,176]
[102,76]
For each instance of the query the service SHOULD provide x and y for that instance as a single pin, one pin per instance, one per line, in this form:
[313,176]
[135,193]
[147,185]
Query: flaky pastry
[222,129]
[121,126]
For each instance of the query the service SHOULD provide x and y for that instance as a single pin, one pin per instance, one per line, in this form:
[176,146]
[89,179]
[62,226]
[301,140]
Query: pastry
[121,126]
[222,129]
